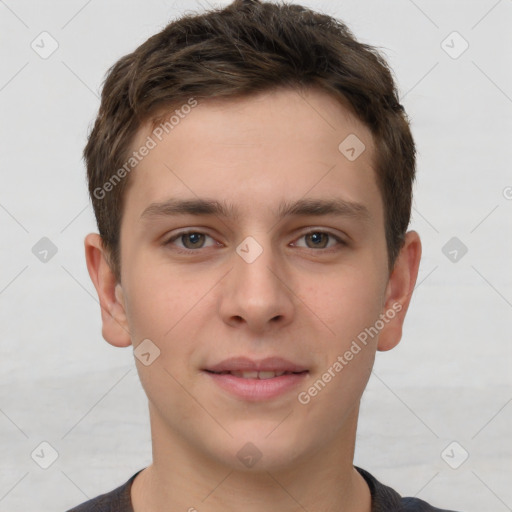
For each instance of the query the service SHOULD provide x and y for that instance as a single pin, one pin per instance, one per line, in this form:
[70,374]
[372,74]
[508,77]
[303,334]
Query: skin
[302,299]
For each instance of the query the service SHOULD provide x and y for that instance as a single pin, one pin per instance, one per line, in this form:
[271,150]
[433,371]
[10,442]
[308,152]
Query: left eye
[320,238]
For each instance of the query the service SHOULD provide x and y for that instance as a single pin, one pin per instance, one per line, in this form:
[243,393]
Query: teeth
[246,375]
[257,375]
[266,375]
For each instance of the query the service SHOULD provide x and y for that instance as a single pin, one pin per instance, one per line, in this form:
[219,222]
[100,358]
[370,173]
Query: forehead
[256,151]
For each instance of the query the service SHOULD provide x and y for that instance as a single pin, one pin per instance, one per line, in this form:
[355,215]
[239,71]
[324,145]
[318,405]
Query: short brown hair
[245,48]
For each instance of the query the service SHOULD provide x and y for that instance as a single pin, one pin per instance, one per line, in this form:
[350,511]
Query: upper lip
[245,364]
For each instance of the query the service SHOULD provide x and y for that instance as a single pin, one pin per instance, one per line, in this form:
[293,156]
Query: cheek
[346,301]
[160,312]
[347,305]
[164,308]
[160,299]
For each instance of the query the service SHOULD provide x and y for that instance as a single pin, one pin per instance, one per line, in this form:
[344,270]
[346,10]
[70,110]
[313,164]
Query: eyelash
[190,232]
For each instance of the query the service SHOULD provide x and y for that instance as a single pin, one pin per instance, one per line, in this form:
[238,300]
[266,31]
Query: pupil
[316,238]
[194,237]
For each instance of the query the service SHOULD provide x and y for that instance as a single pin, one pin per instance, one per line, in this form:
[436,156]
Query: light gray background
[448,380]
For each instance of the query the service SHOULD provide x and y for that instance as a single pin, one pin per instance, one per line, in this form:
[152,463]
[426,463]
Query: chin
[260,447]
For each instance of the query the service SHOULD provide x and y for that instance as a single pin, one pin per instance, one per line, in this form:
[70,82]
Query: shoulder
[417,505]
[386,499]
[117,500]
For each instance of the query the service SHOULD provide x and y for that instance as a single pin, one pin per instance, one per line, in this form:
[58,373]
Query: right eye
[191,241]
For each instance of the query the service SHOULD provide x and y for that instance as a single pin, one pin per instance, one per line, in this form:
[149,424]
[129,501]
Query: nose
[257,292]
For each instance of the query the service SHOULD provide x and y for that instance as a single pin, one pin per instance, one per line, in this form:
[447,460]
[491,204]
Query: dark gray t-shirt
[384,499]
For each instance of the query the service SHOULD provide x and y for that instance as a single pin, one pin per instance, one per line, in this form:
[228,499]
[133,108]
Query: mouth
[263,375]
[245,365]
[253,380]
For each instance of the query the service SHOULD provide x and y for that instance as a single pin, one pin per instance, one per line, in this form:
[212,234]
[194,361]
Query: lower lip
[257,389]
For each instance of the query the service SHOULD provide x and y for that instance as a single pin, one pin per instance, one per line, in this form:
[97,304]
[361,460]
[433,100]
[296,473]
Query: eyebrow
[302,207]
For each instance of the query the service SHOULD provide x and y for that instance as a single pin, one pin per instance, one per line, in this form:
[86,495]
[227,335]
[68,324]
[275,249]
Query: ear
[399,291]
[113,313]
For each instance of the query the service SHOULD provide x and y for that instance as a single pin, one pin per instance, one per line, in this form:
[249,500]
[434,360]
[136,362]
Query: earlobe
[399,291]
[115,328]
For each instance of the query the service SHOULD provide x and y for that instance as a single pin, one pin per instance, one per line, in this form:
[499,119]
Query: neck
[182,478]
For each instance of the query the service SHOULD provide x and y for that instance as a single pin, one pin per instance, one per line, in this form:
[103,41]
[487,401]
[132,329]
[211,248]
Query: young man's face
[253,284]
